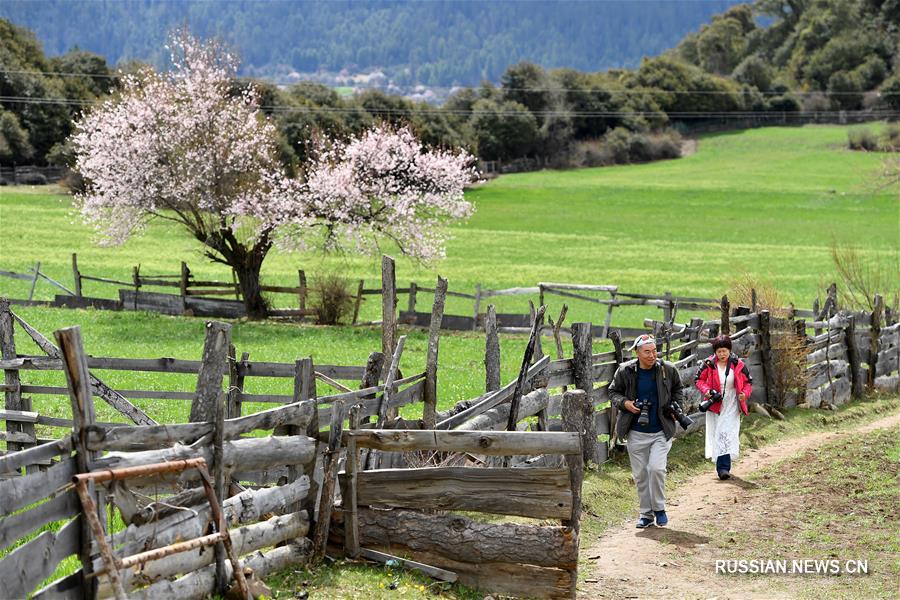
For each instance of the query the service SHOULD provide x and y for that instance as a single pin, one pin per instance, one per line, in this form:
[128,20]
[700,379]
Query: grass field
[767,203]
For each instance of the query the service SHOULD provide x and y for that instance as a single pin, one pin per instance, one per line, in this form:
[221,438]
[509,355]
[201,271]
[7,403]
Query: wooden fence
[156,530]
[517,559]
[248,466]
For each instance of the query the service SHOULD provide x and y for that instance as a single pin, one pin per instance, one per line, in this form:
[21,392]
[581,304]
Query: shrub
[788,349]
[862,139]
[33,178]
[666,145]
[890,140]
[639,148]
[618,143]
[332,299]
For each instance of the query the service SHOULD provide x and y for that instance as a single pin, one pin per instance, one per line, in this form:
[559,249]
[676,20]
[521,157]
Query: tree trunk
[248,278]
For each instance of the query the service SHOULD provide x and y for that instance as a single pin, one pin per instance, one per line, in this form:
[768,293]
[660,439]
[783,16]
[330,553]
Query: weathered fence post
[491,351]
[753,300]
[235,383]
[76,275]
[669,308]
[583,367]
[351,524]
[523,371]
[574,404]
[578,416]
[14,399]
[305,391]
[329,469]
[136,280]
[539,323]
[213,366]
[619,358]
[183,282]
[429,409]
[37,273]
[359,295]
[607,323]
[725,310]
[411,301]
[768,366]
[219,483]
[877,320]
[302,289]
[857,385]
[815,308]
[83,415]
[388,306]
[477,306]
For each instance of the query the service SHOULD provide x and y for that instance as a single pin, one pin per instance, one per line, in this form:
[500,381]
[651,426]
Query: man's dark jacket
[624,387]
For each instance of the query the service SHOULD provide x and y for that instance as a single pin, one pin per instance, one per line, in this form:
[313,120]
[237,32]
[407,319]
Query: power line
[737,114]
[620,91]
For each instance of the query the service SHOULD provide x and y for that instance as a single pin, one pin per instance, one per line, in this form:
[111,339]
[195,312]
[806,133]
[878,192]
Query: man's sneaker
[661,517]
[644,522]
[723,475]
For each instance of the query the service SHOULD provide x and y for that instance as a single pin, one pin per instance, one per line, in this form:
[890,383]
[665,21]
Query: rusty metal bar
[140,470]
[222,526]
[112,564]
[157,553]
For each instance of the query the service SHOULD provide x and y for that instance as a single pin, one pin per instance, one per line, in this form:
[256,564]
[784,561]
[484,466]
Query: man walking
[650,384]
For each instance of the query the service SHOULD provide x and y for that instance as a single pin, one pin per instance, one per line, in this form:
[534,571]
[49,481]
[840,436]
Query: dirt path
[676,561]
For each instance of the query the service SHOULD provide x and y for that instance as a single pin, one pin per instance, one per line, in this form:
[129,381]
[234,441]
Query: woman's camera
[714,397]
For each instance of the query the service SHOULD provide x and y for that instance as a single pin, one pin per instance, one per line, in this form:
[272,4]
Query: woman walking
[725,383]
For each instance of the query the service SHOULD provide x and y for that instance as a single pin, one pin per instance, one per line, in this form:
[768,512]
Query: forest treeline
[782,57]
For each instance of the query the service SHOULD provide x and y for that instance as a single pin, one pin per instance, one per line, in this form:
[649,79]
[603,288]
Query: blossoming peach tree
[182,146]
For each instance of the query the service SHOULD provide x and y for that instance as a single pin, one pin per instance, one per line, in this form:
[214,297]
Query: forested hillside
[772,62]
[436,43]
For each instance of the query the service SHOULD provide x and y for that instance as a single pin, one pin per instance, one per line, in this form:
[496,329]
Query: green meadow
[766,204]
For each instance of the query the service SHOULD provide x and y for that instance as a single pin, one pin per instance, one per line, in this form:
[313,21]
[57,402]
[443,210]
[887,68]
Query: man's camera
[644,407]
[673,410]
[714,397]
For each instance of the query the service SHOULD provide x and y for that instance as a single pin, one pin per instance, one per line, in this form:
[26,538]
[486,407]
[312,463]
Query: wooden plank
[246,507]
[494,399]
[245,539]
[495,443]
[582,287]
[16,437]
[603,372]
[297,414]
[28,565]
[197,585]
[13,396]
[534,492]
[497,418]
[243,454]
[329,479]
[429,410]
[19,492]
[491,351]
[17,526]
[531,350]
[214,365]
[483,542]
[35,455]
